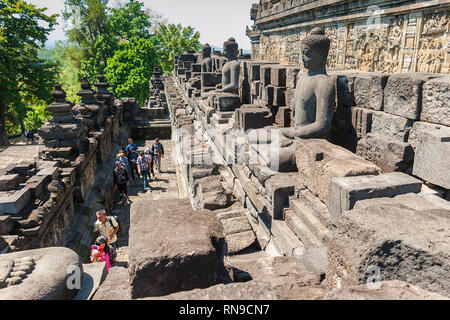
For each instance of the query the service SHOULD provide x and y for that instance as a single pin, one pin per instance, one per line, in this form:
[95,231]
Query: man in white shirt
[107,227]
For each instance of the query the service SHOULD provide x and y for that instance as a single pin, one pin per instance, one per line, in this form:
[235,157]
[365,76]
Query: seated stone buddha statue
[206,60]
[227,91]
[313,105]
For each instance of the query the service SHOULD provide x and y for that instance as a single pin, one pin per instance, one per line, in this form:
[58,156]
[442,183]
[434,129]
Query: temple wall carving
[380,36]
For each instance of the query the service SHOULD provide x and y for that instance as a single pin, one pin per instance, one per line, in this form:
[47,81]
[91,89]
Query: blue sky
[216,20]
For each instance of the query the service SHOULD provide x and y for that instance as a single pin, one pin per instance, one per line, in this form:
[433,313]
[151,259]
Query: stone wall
[368,35]
[43,200]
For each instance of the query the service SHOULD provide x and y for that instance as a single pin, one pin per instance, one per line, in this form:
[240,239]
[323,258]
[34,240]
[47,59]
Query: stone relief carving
[395,45]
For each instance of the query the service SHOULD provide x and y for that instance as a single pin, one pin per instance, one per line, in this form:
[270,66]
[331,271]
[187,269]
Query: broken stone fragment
[383,239]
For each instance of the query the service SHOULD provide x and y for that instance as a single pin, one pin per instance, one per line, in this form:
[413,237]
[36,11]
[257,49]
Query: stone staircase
[309,219]
[237,230]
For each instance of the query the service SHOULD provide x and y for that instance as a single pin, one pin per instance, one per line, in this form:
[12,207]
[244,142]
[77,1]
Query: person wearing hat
[121,181]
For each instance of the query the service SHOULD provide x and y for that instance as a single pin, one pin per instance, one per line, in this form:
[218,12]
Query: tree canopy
[124,43]
[23,75]
[131,67]
[172,40]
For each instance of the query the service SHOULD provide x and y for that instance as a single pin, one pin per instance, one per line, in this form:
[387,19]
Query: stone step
[303,233]
[230,214]
[308,217]
[288,243]
[320,208]
[226,115]
[217,119]
[93,276]
[235,225]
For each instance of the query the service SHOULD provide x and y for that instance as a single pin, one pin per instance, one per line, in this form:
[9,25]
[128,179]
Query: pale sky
[216,20]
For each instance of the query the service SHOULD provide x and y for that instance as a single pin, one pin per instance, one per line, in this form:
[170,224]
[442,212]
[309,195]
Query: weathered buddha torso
[230,75]
[306,97]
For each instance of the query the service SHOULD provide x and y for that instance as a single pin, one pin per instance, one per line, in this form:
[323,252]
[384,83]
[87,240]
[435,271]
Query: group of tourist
[129,162]
[132,162]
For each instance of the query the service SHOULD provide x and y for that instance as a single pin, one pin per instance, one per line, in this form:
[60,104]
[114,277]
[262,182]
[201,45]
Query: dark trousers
[122,189]
[134,169]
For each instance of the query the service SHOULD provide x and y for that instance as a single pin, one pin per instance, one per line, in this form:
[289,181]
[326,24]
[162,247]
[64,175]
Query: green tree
[129,21]
[23,75]
[172,40]
[88,19]
[131,67]
[105,49]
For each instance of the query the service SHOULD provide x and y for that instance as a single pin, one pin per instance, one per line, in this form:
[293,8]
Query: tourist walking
[158,153]
[144,164]
[103,252]
[121,180]
[150,155]
[132,158]
[122,157]
[130,145]
[30,136]
[106,227]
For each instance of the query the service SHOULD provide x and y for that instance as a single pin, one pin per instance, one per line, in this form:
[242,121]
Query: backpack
[117,220]
[121,179]
[143,162]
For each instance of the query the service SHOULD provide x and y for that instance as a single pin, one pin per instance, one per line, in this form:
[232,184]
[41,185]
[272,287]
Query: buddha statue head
[206,51]
[230,49]
[315,48]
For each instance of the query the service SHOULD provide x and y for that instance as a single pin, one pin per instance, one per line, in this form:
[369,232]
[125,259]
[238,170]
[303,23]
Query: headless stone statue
[313,104]
[206,61]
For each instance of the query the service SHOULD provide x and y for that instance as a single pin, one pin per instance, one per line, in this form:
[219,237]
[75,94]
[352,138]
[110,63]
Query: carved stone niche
[89,109]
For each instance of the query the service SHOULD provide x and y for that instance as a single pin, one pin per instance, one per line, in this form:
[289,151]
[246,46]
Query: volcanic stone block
[254,88]
[281,186]
[403,94]
[361,121]
[403,238]
[431,162]
[368,90]
[283,117]
[436,101]
[291,77]
[250,116]
[115,287]
[318,161]
[265,74]
[419,129]
[211,79]
[391,126]
[268,94]
[254,69]
[344,192]
[384,290]
[226,101]
[9,182]
[278,76]
[345,90]
[13,203]
[6,225]
[389,154]
[173,248]
[196,67]
[188,57]
[279,96]
[181,71]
